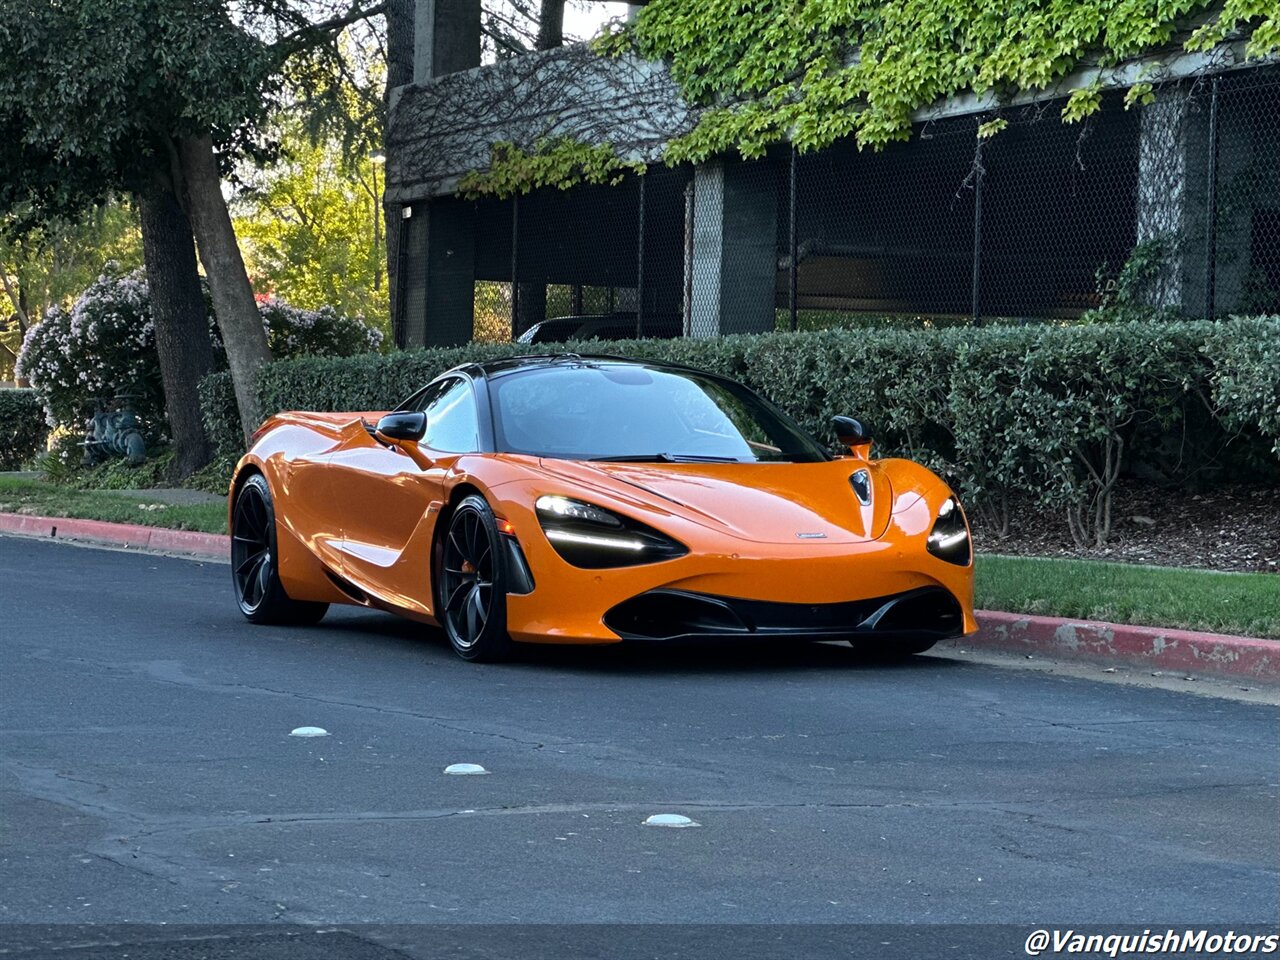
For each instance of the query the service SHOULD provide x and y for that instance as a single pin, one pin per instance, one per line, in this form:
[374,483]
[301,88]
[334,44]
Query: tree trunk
[238,318]
[182,326]
[551,25]
[400,27]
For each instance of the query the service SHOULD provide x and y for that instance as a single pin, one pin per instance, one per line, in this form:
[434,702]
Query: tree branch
[314,33]
[23,320]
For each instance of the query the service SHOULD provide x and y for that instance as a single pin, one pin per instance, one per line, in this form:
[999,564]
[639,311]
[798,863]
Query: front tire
[254,558]
[471,583]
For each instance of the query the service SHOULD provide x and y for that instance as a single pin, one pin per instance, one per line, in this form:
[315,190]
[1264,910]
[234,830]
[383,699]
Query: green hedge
[23,430]
[1058,413]
[1245,361]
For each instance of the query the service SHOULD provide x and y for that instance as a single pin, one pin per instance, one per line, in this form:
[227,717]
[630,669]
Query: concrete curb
[1152,648]
[206,546]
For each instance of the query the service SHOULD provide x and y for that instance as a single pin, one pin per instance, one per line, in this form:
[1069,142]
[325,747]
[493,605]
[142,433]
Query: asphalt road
[147,775]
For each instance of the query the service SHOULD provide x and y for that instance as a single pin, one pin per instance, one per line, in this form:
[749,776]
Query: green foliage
[1245,358]
[22,428]
[311,229]
[1052,412]
[1129,293]
[221,416]
[815,71]
[93,92]
[552,163]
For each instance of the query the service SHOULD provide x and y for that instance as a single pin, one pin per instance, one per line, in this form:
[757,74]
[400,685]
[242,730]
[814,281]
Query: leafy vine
[816,71]
[560,163]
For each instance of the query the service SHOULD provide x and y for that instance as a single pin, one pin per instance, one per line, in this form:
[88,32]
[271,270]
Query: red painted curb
[211,546]
[1155,648]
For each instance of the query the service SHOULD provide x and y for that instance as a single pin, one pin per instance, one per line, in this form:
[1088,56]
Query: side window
[424,397]
[452,423]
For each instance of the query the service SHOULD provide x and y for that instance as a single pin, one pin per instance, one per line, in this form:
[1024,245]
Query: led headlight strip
[949,538]
[589,536]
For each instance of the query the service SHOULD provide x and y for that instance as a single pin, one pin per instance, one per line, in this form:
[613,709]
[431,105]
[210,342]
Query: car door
[391,501]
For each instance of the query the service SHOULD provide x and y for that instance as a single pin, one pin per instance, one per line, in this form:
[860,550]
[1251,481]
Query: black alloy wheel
[471,593]
[259,593]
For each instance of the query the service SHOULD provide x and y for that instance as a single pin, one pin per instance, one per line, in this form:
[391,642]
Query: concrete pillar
[440,278]
[446,37]
[734,259]
[1173,193]
[1163,192]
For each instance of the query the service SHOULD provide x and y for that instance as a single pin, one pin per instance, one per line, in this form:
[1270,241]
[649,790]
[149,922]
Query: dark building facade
[1037,222]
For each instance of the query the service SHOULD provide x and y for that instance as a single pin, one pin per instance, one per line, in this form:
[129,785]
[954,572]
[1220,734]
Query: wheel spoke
[469,536]
[458,591]
[254,513]
[264,575]
[474,623]
[249,561]
[249,592]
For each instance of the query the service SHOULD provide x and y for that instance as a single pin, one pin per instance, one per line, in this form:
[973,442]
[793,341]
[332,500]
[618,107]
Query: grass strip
[50,500]
[1244,604]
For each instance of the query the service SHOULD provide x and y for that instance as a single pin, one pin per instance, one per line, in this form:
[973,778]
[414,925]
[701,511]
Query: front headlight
[589,536]
[949,538]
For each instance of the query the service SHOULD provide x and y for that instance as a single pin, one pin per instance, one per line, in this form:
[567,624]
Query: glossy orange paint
[356,522]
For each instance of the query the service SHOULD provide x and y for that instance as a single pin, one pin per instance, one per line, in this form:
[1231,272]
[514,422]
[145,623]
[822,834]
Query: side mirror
[403,427]
[853,434]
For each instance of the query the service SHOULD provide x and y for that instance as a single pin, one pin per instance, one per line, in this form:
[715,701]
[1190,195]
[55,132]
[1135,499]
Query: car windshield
[624,412]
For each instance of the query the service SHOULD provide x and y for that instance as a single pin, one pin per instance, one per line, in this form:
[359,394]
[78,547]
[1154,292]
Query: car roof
[506,365]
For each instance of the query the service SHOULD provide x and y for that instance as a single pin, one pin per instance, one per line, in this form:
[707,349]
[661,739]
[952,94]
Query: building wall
[1038,222]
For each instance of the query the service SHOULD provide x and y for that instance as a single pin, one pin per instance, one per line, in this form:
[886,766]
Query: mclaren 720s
[580,499]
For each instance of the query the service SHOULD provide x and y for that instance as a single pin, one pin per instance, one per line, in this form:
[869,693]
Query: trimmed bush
[1055,413]
[221,415]
[1245,359]
[22,428]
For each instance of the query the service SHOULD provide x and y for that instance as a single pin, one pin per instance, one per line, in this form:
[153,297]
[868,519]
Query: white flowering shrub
[294,332]
[105,346]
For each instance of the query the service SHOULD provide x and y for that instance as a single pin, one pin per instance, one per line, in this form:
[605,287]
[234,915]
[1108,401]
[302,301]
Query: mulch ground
[1230,528]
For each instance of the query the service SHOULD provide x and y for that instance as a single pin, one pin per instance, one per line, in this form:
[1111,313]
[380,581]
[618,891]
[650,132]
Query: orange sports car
[583,499]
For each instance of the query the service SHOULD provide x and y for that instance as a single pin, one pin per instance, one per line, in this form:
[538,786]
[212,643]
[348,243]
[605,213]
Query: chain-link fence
[1170,206]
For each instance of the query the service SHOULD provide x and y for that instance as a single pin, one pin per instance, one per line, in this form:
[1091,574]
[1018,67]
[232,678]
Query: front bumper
[926,613]
[802,589]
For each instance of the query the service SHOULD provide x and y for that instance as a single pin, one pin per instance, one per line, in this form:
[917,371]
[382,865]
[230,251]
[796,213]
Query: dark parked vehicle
[602,326]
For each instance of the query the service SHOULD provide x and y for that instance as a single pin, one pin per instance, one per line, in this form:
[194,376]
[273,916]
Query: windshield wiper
[664,458]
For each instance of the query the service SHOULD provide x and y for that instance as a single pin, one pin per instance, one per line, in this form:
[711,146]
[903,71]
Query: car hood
[760,502]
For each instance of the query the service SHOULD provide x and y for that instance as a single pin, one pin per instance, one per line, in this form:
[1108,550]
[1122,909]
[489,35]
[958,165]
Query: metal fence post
[515,264]
[1211,209]
[794,267]
[399,326]
[640,261]
[687,323]
[979,174]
